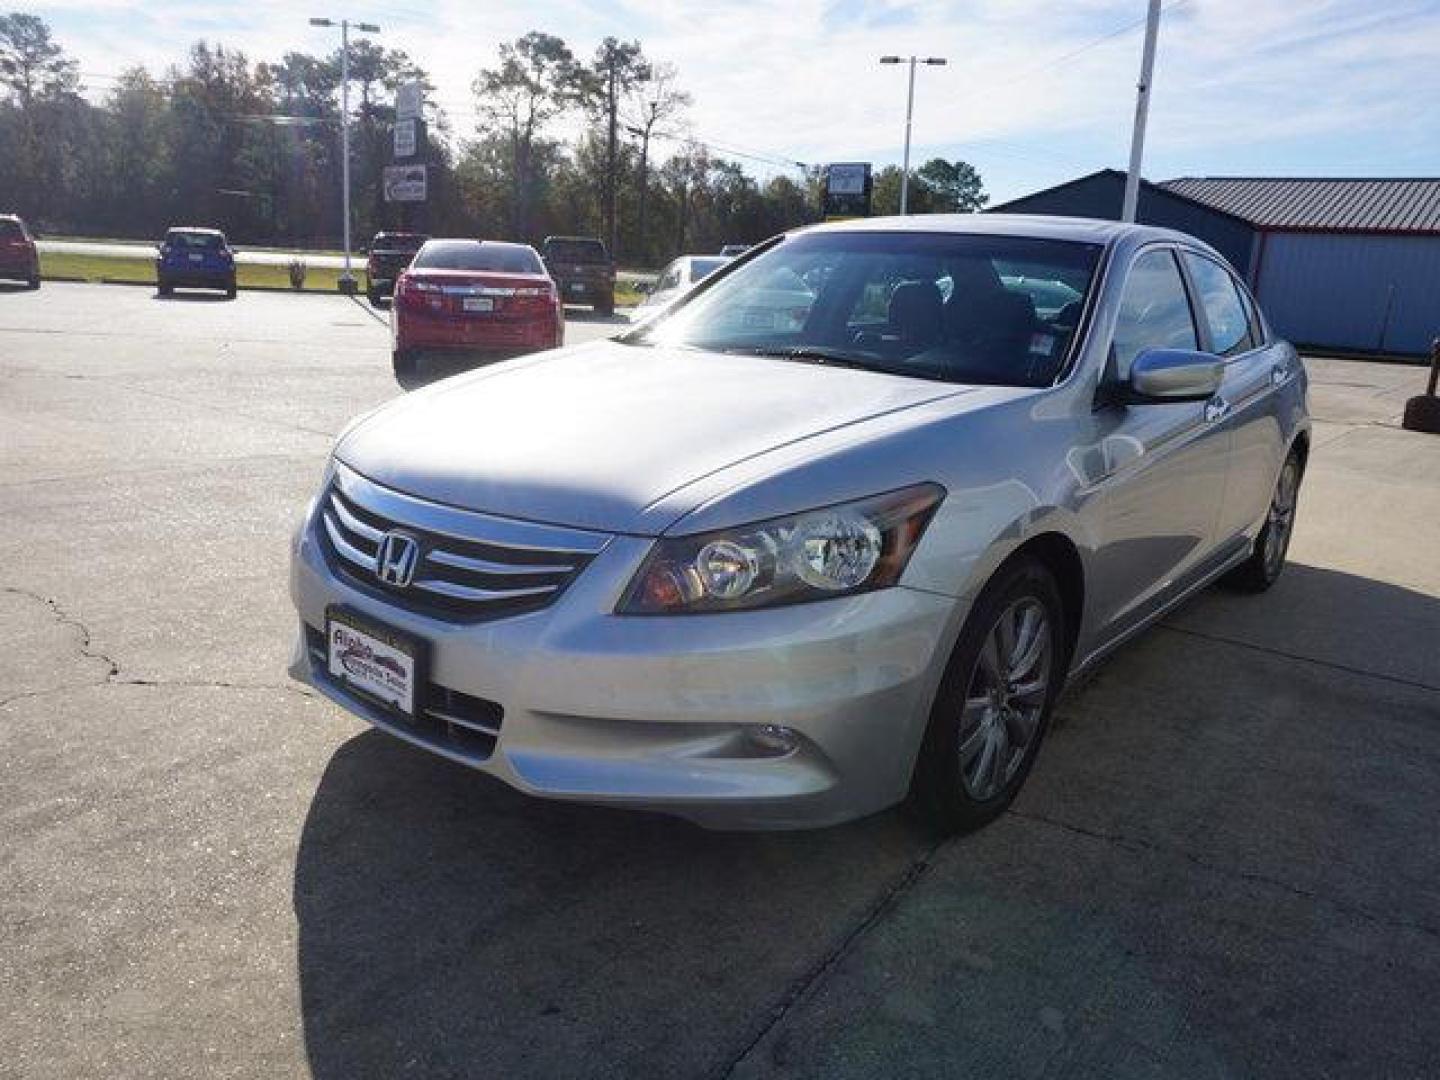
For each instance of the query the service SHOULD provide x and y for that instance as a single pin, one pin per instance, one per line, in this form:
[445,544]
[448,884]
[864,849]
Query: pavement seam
[112,674]
[803,987]
[1270,650]
[1136,844]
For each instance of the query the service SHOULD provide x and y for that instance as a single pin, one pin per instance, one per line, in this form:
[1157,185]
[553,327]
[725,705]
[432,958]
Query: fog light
[772,738]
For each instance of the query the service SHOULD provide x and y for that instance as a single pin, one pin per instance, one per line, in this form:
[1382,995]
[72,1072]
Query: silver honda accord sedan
[828,534]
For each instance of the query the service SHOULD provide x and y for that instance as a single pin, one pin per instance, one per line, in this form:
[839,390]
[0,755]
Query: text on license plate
[369,660]
[478,303]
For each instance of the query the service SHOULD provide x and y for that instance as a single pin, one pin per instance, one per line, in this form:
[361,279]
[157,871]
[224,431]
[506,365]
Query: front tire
[994,703]
[230,290]
[605,306]
[405,363]
[33,283]
[1262,568]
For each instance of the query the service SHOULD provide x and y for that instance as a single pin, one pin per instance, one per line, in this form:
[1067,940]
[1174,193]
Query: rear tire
[230,290]
[994,703]
[374,295]
[165,289]
[606,306]
[33,283]
[405,363]
[1262,568]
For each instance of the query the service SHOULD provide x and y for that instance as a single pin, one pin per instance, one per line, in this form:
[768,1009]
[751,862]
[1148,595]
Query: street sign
[846,190]
[404,183]
[847,179]
[408,99]
[405,139]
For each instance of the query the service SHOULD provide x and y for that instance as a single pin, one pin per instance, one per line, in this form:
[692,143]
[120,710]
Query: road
[1224,863]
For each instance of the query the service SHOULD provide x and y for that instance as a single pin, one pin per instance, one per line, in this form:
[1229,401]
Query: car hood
[593,436]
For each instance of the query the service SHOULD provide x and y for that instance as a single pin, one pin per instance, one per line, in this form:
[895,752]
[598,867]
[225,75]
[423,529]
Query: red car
[18,258]
[480,297]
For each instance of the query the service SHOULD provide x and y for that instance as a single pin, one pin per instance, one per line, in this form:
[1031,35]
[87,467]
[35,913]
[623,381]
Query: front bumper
[662,713]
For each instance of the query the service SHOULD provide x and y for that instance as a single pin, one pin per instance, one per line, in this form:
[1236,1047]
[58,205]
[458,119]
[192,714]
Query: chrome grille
[470,567]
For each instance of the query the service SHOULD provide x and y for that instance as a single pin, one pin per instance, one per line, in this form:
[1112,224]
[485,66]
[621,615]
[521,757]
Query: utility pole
[347,278]
[1142,113]
[611,184]
[934,61]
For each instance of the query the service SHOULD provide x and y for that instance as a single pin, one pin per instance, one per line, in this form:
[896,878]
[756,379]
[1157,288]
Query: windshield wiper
[817,354]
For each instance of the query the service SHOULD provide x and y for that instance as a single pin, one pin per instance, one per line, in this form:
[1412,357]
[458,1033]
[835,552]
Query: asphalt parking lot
[1224,864]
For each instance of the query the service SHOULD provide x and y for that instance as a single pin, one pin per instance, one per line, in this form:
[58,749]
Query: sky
[1033,93]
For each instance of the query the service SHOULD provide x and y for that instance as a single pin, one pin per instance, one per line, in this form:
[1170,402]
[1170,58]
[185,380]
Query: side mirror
[1175,375]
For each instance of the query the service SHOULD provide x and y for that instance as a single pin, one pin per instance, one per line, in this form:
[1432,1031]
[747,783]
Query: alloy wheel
[1282,517]
[1005,699]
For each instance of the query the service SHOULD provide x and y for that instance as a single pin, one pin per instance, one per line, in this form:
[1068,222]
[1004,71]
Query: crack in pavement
[112,674]
[1136,844]
[801,988]
[1270,650]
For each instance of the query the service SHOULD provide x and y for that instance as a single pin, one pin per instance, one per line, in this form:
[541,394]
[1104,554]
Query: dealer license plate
[373,658]
[479,303]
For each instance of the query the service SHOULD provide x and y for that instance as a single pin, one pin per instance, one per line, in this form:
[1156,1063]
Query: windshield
[579,251]
[194,240]
[950,306]
[701,268]
[397,242]
[484,255]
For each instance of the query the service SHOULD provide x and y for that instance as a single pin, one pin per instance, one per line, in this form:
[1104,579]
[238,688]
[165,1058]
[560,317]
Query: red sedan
[478,297]
[18,257]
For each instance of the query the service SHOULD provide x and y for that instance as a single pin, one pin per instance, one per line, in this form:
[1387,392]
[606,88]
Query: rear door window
[1219,300]
[1154,311]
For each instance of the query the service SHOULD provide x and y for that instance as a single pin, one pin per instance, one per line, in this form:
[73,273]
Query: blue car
[195,259]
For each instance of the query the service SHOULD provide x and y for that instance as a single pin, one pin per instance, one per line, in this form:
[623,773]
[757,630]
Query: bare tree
[651,106]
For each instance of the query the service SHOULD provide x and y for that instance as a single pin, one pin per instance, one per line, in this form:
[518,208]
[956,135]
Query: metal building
[1344,264]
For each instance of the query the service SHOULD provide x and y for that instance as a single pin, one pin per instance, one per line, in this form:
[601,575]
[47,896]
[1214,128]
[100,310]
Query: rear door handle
[1216,409]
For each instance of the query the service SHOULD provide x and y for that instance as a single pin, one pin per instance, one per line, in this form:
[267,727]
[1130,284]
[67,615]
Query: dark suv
[583,271]
[18,257]
[191,258]
[390,254]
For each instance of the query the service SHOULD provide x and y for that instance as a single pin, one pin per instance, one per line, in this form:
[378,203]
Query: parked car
[679,276]
[731,250]
[19,260]
[776,577]
[389,254]
[191,258]
[582,269]
[483,298]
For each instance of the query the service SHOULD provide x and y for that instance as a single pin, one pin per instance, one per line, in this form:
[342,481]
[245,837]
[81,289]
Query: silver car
[679,276]
[766,574]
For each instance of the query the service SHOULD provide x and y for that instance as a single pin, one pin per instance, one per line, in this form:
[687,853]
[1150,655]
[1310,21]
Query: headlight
[833,551]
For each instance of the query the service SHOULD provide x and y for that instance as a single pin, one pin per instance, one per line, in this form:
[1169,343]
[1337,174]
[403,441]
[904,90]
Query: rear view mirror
[1175,375]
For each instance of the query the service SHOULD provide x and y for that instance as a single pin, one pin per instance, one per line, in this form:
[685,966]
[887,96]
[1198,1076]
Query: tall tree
[618,67]
[518,100]
[32,63]
[650,106]
[954,187]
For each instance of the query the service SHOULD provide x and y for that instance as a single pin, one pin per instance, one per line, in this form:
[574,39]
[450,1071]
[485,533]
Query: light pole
[933,61]
[347,279]
[1142,113]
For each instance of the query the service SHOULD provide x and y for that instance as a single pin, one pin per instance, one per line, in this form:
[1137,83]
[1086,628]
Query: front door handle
[1216,409]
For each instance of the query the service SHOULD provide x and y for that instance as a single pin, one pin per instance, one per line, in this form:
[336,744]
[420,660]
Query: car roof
[1039,226]
[9,217]
[200,230]
[477,240]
